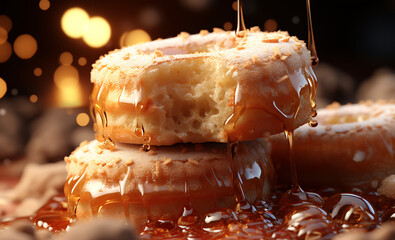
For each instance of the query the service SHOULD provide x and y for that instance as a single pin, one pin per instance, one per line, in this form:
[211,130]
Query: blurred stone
[50,139]
[24,226]
[11,128]
[38,184]
[387,187]
[19,230]
[352,235]
[11,234]
[100,229]
[38,180]
[81,134]
[385,232]
[26,109]
[381,86]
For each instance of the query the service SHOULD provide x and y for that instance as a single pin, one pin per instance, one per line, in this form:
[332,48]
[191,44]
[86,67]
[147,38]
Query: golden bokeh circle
[44,5]
[5,52]
[82,119]
[37,72]
[228,26]
[66,75]
[5,22]
[3,87]
[3,35]
[66,58]
[234,5]
[97,32]
[74,22]
[270,25]
[82,61]
[25,46]
[134,37]
[33,98]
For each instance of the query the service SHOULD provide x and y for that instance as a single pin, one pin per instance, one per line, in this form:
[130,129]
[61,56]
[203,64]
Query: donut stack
[165,112]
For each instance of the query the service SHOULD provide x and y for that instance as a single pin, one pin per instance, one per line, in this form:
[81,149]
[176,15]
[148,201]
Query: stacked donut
[164,112]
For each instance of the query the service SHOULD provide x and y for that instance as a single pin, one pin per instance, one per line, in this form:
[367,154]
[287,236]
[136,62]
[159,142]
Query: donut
[207,87]
[127,182]
[352,146]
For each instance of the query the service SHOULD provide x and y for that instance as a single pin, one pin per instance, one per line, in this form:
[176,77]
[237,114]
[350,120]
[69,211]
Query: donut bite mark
[185,89]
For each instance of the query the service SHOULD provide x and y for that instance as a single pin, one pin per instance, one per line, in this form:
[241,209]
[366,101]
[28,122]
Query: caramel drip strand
[311,42]
[294,174]
[241,29]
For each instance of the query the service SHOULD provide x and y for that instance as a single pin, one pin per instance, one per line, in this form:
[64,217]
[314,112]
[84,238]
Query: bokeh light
[33,98]
[37,72]
[295,20]
[3,87]
[149,17]
[5,22]
[228,26]
[234,5]
[270,25]
[44,5]
[133,37]
[3,35]
[66,58]
[66,75]
[25,46]
[82,119]
[69,95]
[5,52]
[74,22]
[69,92]
[14,92]
[82,61]
[196,5]
[97,33]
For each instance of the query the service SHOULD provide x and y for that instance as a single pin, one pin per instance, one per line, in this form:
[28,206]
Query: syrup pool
[318,216]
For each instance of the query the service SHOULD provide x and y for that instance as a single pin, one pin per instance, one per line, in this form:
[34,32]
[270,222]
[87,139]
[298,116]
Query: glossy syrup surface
[309,216]
[313,217]
[135,101]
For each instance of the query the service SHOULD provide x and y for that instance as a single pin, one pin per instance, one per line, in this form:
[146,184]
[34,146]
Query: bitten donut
[207,87]
[129,182]
[353,145]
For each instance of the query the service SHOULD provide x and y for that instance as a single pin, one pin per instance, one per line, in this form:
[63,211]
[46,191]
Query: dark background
[355,36]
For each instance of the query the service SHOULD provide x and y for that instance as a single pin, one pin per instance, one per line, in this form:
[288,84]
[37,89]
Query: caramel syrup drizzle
[242,103]
[294,175]
[126,101]
[98,107]
[311,42]
[241,30]
[122,189]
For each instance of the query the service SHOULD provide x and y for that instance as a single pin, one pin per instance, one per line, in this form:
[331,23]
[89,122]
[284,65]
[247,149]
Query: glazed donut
[184,89]
[353,146]
[127,181]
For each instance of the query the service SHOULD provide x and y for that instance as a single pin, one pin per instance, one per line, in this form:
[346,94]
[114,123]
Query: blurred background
[47,49]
